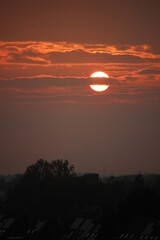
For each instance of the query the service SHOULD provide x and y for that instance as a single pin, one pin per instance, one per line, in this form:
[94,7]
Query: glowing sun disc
[99,75]
[99,88]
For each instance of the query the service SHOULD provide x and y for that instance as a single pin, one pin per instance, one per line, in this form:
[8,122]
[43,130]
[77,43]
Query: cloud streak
[76,90]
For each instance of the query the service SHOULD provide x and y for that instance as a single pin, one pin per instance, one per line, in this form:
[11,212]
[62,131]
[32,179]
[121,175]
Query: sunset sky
[48,50]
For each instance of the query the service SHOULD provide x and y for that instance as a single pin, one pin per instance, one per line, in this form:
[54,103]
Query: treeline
[53,188]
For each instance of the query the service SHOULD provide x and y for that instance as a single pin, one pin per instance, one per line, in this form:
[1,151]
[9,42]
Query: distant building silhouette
[91,177]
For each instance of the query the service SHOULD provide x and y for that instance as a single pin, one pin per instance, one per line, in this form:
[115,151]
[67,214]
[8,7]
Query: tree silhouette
[62,168]
[43,187]
[39,170]
[42,169]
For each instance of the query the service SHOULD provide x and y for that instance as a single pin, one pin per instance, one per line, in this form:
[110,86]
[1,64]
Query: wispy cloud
[49,52]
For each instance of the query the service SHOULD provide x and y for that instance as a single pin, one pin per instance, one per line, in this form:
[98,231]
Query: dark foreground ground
[45,203]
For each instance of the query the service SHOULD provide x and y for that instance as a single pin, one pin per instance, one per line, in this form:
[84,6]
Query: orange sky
[48,50]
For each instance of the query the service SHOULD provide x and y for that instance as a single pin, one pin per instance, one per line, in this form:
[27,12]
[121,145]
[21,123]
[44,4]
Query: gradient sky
[48,50]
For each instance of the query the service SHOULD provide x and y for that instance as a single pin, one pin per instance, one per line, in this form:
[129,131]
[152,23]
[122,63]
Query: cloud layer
[59,72]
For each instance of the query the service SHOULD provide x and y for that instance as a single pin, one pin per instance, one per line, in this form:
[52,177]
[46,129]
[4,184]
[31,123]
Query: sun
[100,86]
[99,75]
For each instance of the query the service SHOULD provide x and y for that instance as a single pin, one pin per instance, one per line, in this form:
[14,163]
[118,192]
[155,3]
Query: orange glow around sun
[99,87]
